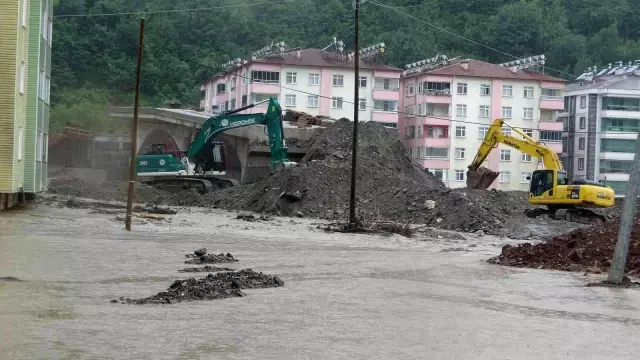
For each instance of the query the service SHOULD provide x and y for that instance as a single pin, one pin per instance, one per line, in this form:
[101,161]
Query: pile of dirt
[201,257]
[303,119]
[588,249]
[207,268]
[219,286]
[390,186]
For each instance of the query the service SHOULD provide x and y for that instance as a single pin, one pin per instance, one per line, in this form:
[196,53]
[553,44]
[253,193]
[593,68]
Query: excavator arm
[216,125]
[479,177]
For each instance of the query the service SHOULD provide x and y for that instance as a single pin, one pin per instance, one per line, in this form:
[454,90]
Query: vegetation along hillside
[94,56]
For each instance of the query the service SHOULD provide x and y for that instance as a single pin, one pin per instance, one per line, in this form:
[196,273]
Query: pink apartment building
[315,81]
[448,110]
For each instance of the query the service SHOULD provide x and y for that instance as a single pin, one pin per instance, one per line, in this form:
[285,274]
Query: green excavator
[204,164]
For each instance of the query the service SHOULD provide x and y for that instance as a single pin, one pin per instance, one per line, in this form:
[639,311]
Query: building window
[485,90]
[550,136]
[221,88]
[580,163]
[505,177]
[525,158]
[528,132]
[459,175]
[312,101]
[266,77]
[461,131]
[410,90]
[314,79]
[291,78]
[505,155]
[528,92]
[410,132]
[338,80]
[441,174]
[437,153]
[336,102]
[484,111]
[581,142]
[21,79]
[387,84]
[462,89]
[362,104]
[244,100]
[47,89]
[290,100]
[507,112]
[232,84]
[39,144]
[437,132]
[461,110]
[482,132]
[232,104]
[363,81]
[50,27]
[20,142]
[45,147]
[262,97]
[525,177]
[583,122]
[385,105]
[507,90]
[506,131]
[459,153]
[583,102]
[528,113]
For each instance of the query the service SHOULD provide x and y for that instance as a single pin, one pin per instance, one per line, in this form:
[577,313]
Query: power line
[449,119]
[172,11]
[459,36]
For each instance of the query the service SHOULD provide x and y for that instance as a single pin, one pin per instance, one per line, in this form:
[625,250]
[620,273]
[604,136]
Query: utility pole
[356,105]
[619,261]
[134,132]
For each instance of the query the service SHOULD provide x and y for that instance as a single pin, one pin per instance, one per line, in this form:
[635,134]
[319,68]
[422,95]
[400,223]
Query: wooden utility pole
[356,105]
[134,132]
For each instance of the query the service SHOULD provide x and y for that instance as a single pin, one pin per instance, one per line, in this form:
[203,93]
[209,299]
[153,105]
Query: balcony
[555,146]
[551,102]
[383,116]
[264,88]
[386,89]
[393,95]
[550,125]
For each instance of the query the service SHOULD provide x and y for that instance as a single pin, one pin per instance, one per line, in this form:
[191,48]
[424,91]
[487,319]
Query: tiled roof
[320,58]
[483,69]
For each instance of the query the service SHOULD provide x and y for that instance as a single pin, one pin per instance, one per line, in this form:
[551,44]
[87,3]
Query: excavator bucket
[481,179]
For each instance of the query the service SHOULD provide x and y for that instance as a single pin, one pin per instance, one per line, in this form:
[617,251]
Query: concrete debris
[587,248]
[302,119]
[219,286]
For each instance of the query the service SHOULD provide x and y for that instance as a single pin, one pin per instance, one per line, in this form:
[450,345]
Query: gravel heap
[219,286]
[588,249]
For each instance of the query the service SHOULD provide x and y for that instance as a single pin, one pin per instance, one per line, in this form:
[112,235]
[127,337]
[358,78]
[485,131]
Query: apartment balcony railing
[550,97]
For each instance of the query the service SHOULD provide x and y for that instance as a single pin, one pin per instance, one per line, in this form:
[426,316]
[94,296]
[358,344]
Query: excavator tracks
[202,184]
[582,216]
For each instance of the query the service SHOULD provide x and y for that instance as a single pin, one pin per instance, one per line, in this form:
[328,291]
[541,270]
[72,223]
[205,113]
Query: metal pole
[134,132]
[356,105]
[619,261]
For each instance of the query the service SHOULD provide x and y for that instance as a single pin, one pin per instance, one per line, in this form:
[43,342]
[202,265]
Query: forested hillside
[94,57]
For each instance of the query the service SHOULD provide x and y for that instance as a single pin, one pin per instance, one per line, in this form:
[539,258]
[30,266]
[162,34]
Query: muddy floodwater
[345,296]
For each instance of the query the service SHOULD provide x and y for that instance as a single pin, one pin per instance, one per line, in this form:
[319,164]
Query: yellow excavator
[549,187]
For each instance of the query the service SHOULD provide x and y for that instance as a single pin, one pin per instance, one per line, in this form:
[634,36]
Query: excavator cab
[543,181]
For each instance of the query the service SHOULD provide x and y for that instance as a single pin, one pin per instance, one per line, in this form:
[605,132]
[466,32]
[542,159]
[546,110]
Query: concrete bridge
[248,157]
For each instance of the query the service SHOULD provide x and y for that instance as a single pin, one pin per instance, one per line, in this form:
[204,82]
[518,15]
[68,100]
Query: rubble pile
[302,119]
[201,257]
[219,286]
[70,185]
[207,268]
[390,186]
[586,249]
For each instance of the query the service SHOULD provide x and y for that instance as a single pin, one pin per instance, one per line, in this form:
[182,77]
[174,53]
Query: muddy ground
[346,296]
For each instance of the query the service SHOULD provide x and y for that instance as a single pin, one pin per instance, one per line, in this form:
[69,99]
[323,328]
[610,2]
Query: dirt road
[345,296]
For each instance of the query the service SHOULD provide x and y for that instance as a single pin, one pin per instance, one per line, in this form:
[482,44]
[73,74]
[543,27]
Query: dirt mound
[583,249]
[207,268]
[199,257]
[219,286]
[390,186]
[69,185]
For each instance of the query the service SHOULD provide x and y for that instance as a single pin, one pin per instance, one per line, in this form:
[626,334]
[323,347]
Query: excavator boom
[480,177]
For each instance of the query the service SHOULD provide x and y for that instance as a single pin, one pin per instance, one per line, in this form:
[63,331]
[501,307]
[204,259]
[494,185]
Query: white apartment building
[314,81]
[450,113]
[601,121]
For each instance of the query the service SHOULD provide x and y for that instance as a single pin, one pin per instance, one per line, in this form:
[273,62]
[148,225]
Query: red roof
[320,58]
[483,69]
